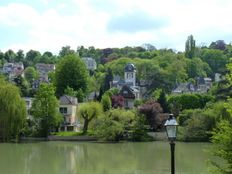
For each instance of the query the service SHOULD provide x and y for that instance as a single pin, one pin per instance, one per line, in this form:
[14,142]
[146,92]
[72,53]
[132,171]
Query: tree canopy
[71,72]
[12,111]
[44,109]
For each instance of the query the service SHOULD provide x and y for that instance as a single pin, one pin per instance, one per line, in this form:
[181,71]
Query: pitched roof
[68,100]
[127,92]
[130,67]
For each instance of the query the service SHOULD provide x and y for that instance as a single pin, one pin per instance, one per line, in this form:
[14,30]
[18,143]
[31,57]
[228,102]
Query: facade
[128,96]
[13,70]
[90,63]
[127,86]
[202,86]
[68,108]
[43,70]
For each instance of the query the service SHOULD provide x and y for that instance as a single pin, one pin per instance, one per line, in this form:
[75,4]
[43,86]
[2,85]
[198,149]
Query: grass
[66,134]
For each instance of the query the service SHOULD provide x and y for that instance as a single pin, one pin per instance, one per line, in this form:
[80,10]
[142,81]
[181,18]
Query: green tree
[89,111]
[114,124]
[12,111]
[190,47]
[72,72]
[44,109]
[10,56]
[222,136]
[23,85]
[163,101]
[30,74]
[19,56]
[197,68]
[215,59]
[32,57]
[65,51]
[106,102]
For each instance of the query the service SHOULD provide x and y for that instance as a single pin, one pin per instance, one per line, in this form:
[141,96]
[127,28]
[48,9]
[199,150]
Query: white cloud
[86,25]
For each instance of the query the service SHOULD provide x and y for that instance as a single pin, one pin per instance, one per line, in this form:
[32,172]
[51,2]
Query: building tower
[130,74]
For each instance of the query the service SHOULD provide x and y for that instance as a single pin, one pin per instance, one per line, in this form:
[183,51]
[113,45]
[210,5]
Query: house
[43,70]
[184,88]
[128,96]
[68,108]
[127,86]
[90,63]
[203,84]
[13,70]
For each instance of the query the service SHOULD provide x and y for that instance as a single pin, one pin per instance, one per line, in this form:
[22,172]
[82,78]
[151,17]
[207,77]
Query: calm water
[96,158]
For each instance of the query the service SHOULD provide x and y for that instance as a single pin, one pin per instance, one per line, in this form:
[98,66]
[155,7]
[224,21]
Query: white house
[68,108]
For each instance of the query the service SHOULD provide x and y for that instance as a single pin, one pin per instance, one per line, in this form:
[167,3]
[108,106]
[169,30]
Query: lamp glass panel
[171,131]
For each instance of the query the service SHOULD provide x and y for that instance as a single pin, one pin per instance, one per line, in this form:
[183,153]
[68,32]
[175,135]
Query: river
[102,158]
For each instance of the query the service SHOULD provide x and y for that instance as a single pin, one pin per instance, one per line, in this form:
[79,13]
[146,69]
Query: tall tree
[163,101]
[219,44]
[19,56]
[30,74]
[44,109]
[222,136]
[190,47]
[10,56]
[12,111]
[65,51]
[72,72]
[216,60]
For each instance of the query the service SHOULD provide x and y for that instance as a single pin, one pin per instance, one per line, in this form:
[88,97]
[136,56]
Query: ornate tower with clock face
[130,74]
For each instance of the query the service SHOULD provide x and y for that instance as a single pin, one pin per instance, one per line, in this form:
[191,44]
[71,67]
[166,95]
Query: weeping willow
[12,112]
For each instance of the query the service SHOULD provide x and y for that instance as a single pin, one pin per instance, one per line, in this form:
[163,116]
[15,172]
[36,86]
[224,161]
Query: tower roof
[130,67]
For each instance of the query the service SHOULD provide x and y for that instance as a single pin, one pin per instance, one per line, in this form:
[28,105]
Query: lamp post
[171,130]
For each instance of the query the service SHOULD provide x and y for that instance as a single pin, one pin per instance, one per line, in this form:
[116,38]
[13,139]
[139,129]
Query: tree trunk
[86,124]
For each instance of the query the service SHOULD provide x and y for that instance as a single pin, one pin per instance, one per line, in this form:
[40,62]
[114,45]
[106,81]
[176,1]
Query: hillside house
[127,86]
[68,108]
[13,70]
[202,86]
[43,70]
[90,63]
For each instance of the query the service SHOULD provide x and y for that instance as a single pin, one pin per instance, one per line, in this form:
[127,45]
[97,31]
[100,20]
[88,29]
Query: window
[63,110]
[125,92]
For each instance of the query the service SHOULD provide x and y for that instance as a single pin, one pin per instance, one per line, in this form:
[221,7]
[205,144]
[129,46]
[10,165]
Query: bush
[139,132]
[114,124]
[190,101]
[197,125]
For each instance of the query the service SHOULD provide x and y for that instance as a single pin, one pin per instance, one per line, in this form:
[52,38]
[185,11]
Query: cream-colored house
[68,108]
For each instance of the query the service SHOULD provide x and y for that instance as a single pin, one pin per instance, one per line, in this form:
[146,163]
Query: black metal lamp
[171,130]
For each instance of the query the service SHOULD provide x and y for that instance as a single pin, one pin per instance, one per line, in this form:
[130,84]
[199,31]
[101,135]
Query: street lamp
[171,130]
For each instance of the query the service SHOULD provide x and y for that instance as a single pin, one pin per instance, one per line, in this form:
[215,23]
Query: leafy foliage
[12,111]
[72,72]
[44,110]
[151,110]
[89,111]
[114,124]
[190,47]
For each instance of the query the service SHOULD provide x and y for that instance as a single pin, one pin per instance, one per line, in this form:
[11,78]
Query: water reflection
[96,158]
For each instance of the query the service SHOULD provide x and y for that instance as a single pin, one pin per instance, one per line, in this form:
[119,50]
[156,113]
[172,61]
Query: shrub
[114,124]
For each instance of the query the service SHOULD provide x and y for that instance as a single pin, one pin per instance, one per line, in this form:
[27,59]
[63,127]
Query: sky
[47,25]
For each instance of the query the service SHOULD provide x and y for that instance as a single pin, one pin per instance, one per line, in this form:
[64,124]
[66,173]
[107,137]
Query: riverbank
[58,138]
[157,136]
